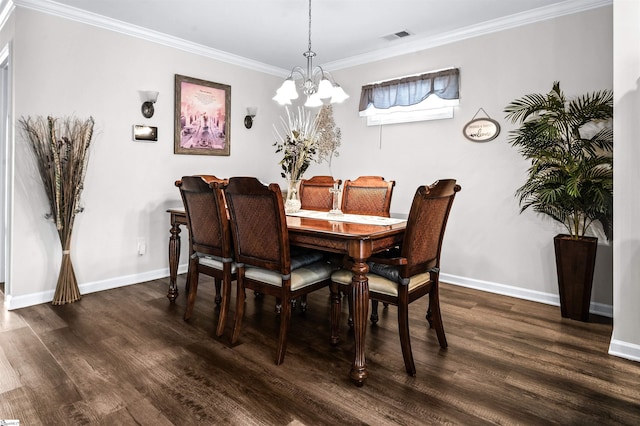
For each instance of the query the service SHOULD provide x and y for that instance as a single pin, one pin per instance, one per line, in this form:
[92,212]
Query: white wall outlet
[142,246]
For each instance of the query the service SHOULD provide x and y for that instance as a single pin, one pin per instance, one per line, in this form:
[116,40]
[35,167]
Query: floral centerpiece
[297,140]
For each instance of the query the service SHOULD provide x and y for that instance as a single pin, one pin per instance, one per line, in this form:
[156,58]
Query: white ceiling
[343,32]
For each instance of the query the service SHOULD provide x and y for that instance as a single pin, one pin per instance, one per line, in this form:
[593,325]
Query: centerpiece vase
[292,203]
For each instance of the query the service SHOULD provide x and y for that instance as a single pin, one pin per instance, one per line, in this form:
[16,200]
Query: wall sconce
[248,119]
[148,97]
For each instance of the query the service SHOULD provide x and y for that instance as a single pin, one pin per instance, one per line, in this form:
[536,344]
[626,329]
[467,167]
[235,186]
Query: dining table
[356,236]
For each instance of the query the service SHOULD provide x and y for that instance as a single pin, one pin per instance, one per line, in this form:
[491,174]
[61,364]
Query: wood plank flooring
[126,357]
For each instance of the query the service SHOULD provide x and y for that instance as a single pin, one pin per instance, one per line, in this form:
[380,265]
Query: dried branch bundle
[329,137]
[61,151]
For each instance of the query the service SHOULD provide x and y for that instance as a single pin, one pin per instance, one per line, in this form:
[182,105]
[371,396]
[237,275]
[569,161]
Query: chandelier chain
[309,25]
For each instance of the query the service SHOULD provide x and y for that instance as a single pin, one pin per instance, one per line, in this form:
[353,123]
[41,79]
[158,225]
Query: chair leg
[336,307]
[240,298]
[285,318]
[434,316]
[224,309]
[405,339]
[374,312]
[218,284]
[303,303]
[193,288]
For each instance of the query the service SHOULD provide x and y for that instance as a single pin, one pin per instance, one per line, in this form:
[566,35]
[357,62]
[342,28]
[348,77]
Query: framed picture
[202,110]
[145,133]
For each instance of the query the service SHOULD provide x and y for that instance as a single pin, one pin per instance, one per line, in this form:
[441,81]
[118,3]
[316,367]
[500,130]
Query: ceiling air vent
[395,36]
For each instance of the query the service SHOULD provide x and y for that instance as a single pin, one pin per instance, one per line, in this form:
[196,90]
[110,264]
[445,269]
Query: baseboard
[520,293]
[17,302]
[625,350]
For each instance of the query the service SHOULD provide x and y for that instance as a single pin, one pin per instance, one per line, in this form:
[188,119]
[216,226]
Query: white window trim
[432,108]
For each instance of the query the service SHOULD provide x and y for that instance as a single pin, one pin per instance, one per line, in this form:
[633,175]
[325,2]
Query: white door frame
[6,174]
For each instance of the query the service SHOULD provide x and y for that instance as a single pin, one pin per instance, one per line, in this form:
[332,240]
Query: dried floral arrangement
[304,138]
[61,151]
[298,142]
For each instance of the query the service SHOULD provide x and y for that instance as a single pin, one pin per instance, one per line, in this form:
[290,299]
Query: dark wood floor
[125,356]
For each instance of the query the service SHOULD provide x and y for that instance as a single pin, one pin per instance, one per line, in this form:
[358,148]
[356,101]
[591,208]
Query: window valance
[411,90]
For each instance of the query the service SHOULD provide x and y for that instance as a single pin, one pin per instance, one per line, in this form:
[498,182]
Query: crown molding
[6,7]
[536,15]
[89,18]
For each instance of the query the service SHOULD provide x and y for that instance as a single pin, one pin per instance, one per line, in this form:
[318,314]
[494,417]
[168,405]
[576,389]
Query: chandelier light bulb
[313,101]
[338,94]
[325,89]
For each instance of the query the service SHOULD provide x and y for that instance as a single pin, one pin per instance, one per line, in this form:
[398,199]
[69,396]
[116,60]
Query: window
[428,96]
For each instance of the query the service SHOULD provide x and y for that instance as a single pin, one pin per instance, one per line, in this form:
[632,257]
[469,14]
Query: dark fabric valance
[411,90]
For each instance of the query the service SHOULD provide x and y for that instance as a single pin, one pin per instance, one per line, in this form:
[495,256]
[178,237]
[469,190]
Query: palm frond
[571,176]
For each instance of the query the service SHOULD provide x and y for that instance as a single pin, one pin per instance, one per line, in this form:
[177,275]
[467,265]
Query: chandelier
[315,82]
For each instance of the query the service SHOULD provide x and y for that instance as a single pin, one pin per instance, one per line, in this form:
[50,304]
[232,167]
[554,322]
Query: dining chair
[402,276]
[210,247]
[314,193]
[261,245]
[367,195]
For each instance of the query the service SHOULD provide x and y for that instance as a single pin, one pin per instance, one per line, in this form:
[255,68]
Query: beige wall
[63,67]
[488,244]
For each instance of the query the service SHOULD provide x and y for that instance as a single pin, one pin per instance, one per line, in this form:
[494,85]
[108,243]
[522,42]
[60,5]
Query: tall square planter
[575,263]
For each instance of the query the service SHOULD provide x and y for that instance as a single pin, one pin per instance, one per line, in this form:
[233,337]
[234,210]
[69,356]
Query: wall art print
[202,110]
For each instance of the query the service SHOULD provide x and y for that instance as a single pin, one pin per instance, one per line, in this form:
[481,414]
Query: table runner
[352,218]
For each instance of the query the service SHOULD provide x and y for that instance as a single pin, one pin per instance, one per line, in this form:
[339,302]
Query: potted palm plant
[569,143]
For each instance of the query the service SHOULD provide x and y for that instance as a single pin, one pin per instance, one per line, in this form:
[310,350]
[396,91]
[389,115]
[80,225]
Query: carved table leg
[360,297]
[174,257]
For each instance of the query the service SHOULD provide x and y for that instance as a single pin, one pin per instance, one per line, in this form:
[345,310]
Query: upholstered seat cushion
[215,262]
[301,277]
[389,272]
[300,258]
[380,284]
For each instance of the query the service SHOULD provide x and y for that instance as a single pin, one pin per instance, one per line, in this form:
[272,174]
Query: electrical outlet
[142,246]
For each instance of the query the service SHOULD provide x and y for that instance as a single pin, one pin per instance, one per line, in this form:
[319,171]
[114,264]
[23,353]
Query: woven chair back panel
[316,198]
[204,223]
[257,227]
[363,200]
[424,229]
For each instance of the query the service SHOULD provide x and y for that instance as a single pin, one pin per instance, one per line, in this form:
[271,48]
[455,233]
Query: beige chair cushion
[215,262]
[301,277]
[380,284]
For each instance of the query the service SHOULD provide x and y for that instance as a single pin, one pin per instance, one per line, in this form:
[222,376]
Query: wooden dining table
[357,236]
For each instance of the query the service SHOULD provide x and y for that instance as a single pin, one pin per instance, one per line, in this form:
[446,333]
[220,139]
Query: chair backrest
[209,231]
[426,223]
[368,195]
[258,224]
[314,193]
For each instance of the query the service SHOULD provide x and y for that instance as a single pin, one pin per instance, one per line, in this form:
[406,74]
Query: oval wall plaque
[481,130]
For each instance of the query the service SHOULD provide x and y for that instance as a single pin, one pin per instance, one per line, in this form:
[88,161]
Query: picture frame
[202,117]
[145,133]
